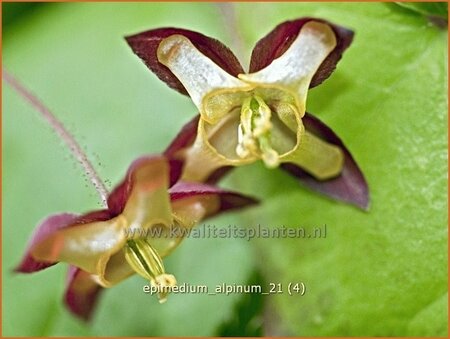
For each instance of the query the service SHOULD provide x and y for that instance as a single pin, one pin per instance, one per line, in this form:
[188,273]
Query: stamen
[262,120]
[245,139]
[246,116]
[146,262]
[269,155]
[164,283]
[241,150]
[254,131]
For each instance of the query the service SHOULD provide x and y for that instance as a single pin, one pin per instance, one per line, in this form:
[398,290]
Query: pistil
[146,262]
[254,132]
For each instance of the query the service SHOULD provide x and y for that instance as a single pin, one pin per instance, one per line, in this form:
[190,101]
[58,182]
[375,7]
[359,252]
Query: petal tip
[29,265]
[145,45]
[81,294]
[364,203]
[133,42]
[350,186]
[169,47]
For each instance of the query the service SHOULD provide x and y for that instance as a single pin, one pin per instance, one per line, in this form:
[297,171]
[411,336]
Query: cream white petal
[214,147]
[149,203]
[87,246]
[294,69]
[198,74]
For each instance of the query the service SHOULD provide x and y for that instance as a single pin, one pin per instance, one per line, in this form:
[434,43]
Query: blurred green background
[381,273]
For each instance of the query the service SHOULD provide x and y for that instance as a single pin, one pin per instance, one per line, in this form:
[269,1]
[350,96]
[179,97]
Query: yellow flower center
[254,131]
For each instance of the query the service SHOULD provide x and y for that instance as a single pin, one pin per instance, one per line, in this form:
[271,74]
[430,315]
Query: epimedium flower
[261,114]
[106,246]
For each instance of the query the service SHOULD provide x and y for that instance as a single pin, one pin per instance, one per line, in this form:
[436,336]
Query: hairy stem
[62,132]
[228,11]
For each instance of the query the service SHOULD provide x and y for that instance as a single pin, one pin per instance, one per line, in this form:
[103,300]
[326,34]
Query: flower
[131,236]
[262,114]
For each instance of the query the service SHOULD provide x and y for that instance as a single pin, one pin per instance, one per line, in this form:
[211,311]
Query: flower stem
[62,132]
[228,11]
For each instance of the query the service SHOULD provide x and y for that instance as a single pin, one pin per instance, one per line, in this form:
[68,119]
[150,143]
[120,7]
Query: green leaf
[425,323]
[247,317]
[13,11]
[439,9]
[376,272]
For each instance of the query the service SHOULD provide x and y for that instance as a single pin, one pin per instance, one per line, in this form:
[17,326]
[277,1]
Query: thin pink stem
[62,132]
[228,10]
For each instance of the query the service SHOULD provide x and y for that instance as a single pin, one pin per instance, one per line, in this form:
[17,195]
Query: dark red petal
[350,186]
[176,168]
[274,44]
[100,215]
[81,293]
[145,45]
[218,174]
[184,139]
[228,200]
[51,225]
[119,196]
[45,228]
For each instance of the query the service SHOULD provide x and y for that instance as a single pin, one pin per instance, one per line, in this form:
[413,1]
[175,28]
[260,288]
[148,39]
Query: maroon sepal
[145,45]
[45,228]
[218,174]
[81,293]
[116,203]
[228,200]
[274,44]
[51,225]
[350,186]
[184,139]
[119,196]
